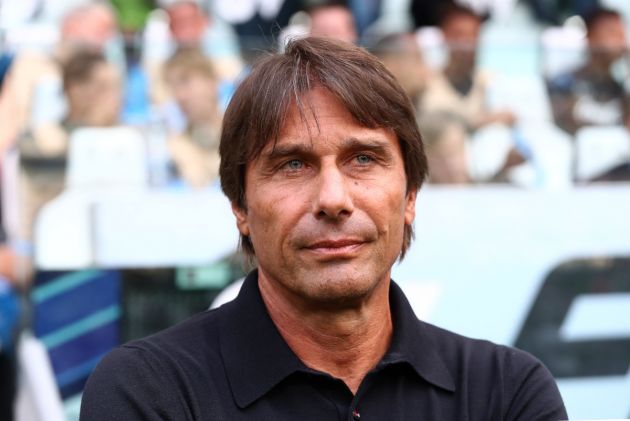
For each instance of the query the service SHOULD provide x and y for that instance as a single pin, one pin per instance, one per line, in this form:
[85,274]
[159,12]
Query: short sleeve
[532,390]
[128,385]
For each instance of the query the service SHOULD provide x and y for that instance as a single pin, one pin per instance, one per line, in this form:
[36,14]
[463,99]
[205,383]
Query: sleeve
[532,391]
[128,385]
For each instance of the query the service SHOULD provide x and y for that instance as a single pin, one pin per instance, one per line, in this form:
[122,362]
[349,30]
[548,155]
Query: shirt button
[356,415]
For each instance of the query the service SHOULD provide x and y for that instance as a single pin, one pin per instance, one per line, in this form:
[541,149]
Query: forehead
[606,24]
[183,10]
[459,21]
[315,105]
[322,118]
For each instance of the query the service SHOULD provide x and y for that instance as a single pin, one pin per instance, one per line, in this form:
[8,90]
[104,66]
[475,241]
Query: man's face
[187,23]
[407,65]
[94,28]
[461,34]
[326,208]
[195,93]
[607,37]
[105,84]
[334,22]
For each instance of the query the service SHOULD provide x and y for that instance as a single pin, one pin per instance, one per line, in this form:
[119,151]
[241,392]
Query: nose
[333,198]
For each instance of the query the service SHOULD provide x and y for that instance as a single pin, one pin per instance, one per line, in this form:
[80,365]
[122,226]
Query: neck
[343,342]
[76,118]
[456,71]
[599,66]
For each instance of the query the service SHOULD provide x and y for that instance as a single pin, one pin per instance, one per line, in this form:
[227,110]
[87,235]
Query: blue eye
[364,159]
[294,164]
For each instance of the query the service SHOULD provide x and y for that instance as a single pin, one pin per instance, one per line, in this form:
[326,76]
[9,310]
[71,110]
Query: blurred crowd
[167,69]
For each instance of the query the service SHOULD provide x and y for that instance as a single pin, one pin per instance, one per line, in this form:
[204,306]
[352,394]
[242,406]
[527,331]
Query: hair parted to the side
[257,112]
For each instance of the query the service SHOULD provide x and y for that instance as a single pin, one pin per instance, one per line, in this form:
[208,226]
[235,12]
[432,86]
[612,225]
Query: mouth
[336,249]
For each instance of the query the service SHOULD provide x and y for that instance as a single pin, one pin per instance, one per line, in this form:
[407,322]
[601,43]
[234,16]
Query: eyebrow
[373,145]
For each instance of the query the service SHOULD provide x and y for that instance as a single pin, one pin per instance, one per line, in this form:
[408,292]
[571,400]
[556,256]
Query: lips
[334,244]
[337,249]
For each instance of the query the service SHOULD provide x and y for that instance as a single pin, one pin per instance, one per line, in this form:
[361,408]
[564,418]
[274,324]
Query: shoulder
[191,338]
[197,335]
[480,357]
[160,374]
[516,379]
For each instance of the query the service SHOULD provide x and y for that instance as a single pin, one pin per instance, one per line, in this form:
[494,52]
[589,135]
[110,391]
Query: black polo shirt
[232,364]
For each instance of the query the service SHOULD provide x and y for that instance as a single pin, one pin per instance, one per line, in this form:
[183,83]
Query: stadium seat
[107,157]
[102,164]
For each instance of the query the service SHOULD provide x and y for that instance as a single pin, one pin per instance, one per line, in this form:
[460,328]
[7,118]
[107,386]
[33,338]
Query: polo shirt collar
[257,358]
[413,344]
[255,355]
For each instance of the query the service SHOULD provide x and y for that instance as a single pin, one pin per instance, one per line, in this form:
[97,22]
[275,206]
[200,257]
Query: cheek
[271,214]
[385,204]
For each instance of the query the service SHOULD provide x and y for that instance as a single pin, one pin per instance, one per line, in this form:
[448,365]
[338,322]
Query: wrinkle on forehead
[304,110]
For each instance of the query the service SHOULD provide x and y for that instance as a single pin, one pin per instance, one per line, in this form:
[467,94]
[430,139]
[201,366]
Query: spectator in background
[93,90]
[591,95]
[446,149]
[401,55]
[192,81]
[454,102]
[32,93]
[449,154]
[332,19]
[190,25]
[460,88]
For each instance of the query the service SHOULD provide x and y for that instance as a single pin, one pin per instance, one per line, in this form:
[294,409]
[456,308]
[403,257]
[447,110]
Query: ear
[410,206]
[241,219]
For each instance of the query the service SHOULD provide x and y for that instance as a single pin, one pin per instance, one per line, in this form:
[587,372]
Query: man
[460,88]
[86,75]
[322,173]
[590,95]
[191,25]
[453,107]
[192,81]
[401,54]
[32,93]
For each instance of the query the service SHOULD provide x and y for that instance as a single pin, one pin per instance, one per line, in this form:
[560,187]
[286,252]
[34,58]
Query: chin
[338,287]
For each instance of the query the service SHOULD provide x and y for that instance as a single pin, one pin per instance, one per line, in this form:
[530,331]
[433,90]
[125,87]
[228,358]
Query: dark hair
[78,68]
[258,109]
[597,14]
